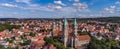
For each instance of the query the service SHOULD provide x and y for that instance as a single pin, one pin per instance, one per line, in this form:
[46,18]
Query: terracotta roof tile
[78,47]
[26,31]
[38,43]
[84,37]
[49,46]
[2,34]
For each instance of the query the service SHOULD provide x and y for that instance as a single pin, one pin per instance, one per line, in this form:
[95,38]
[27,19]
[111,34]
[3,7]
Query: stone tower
[65,33]
[53,28]
[75,33]
[75,27]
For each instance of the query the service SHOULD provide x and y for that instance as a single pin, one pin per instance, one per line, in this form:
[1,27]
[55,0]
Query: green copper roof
[65,22]
[75,21]
[53,22]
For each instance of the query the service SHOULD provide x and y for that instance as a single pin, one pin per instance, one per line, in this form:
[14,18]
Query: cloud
[68,9]
[36,8]
[24,1]
[69,0]
[110,9]
[15,13]
[95,15]
[81,7]
[61,9]
[58,7]
[73,8]
[8,5]
[28,3]
[54,7]
[76,0]
[1,15]
[32,7]
[118,3]
[59,2]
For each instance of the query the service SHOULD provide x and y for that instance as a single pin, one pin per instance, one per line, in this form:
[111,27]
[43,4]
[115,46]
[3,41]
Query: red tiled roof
[26,31]
[38,43]
[42,36]
[15,30]
[29,37]
[56,32]
[2,34]
[49,46]
[10,44]
[52,47]
[78,47]
[84,37]
[19,47]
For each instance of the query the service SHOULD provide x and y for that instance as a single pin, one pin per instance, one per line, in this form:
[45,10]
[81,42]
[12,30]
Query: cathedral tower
[74,39]
[65,33]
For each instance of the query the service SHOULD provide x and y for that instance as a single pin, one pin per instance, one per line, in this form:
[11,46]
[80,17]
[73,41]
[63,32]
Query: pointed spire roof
[65,22]
[75,21]
[53,22]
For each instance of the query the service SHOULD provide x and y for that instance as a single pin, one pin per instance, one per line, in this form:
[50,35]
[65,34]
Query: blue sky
[58,8]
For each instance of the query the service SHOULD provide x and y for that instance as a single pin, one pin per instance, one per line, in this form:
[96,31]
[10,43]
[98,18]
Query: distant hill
[8,19]
[102,19]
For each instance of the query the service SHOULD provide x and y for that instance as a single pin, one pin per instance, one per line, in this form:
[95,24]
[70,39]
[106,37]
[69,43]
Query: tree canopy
[103,44]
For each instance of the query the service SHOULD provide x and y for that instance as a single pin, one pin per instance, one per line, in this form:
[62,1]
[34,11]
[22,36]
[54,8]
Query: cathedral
[68,37]
[70,40]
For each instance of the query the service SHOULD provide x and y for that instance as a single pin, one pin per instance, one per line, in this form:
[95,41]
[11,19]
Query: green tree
[103,44]
[8,26]
[32,34]
[27,42]
[55,42]
[9,40]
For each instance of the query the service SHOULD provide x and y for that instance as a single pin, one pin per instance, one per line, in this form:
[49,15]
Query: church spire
[75,27]
[75,22]
[65,22]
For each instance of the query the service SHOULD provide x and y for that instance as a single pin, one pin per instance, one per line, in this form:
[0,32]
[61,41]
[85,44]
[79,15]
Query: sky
[59,8]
